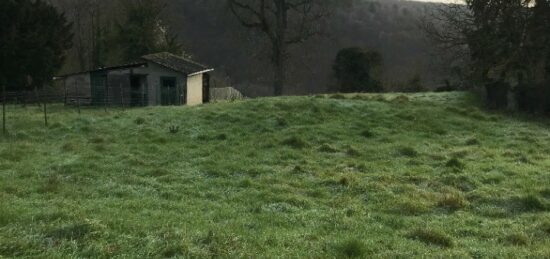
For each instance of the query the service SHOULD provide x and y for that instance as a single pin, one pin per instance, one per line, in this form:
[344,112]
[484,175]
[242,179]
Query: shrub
[431,237]
[357,70]
[352,248]
[414,84]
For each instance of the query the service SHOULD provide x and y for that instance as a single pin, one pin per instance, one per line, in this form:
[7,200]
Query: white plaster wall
[194,89]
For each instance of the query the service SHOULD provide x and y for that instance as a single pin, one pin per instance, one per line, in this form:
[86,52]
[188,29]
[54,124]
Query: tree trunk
[279,47]
[279,73]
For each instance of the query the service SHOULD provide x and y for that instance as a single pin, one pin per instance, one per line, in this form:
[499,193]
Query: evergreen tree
[144,32]
[357,70]
[34,37]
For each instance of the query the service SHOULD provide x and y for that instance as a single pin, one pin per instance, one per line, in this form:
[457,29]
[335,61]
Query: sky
[439,1]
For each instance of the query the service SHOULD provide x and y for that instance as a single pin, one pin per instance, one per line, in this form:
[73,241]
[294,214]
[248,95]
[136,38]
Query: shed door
[168,91]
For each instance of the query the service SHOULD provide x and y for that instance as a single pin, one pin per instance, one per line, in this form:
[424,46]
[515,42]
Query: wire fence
[111,98]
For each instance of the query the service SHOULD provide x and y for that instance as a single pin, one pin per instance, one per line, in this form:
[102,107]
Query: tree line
[506,49]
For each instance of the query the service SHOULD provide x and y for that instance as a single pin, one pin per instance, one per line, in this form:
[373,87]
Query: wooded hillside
[213,36]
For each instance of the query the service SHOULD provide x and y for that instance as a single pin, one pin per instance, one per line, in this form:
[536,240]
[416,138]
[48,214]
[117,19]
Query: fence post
[45,114]
[65,88]
[77,97]
[106,95]
[3,108]
[121,96]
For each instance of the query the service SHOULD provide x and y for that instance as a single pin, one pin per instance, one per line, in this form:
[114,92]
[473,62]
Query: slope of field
[324,176]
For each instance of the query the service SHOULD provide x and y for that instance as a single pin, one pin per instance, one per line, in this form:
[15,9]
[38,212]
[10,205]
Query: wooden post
[121,96]
[77,97]
[106,95]
[45,114]
[65,87]
[3,108]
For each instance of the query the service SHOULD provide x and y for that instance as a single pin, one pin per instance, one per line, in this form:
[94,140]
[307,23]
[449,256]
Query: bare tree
[283,23]
[446,27]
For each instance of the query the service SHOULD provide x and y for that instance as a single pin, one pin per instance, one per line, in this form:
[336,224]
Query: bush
[497,95]
[414,84]
[533,99]
[356,70]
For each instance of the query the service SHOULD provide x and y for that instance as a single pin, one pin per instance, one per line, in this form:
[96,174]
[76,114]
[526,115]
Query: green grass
[368,176]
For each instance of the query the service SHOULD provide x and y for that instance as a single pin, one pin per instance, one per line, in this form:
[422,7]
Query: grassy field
[424,175]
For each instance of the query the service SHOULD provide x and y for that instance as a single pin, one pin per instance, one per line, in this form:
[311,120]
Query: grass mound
[286,177]
[432,237]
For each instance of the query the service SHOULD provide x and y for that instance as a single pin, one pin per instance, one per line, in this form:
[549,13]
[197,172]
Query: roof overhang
[103,69]
[201,72]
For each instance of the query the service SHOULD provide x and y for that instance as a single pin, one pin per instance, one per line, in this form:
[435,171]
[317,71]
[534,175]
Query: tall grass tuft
[452,200]
[517,239]
[455,163]
[432,237]
[295,142]
[532,203]
[352,248]
[407,151]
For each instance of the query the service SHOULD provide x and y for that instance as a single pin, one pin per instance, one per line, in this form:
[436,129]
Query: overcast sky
[440,1]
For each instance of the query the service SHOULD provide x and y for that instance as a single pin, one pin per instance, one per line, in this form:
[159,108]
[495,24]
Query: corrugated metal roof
[119,67]
[165,59]
[177,63]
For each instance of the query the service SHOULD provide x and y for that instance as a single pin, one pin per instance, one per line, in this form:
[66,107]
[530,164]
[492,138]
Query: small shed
[155,79]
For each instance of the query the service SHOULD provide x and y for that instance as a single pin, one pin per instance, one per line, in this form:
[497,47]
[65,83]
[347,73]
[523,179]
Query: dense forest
[210,34]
